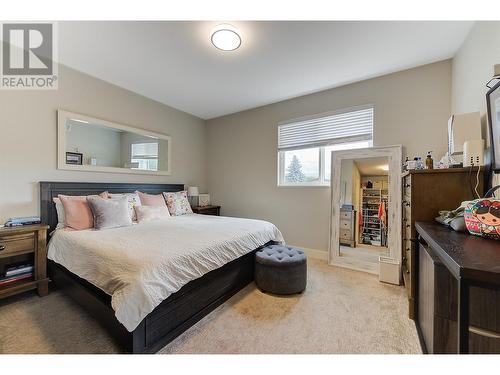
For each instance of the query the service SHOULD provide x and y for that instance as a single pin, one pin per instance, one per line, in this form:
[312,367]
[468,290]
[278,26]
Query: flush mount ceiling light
[226,37]
[384,167]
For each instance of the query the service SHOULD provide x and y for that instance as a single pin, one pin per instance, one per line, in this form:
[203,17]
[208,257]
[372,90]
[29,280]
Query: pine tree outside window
[305,145]
[294,171]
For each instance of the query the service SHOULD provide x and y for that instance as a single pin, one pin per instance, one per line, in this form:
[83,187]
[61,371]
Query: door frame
[394,155]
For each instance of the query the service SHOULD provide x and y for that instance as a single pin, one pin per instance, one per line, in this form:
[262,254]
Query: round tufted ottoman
[281,269]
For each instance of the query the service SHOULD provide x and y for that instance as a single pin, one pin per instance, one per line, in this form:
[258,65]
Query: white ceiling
[372,166]
[175,64]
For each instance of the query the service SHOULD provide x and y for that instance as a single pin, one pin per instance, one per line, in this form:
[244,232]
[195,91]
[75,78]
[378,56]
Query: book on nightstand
[13,279]
[17,273]
[12,271]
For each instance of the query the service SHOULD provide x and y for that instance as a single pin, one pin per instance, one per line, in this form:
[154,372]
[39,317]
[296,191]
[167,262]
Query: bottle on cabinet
[429,162]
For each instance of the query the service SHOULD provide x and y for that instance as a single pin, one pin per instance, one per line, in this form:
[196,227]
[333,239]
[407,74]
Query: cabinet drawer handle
[484,332]
[2,247]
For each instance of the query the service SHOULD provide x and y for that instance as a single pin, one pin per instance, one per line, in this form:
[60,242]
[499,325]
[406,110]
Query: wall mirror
[90,144]
[366,208]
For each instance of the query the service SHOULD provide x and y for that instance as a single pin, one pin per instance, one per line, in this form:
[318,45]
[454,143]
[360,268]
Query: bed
[187,266]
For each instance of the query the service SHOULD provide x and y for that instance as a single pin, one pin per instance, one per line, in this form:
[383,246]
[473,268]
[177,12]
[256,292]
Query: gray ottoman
[281,269]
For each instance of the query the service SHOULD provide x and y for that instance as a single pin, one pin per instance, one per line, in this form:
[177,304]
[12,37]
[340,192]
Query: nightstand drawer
[207,210]
[16,243]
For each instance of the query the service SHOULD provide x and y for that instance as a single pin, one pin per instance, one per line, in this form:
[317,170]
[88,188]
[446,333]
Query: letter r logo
[27,49]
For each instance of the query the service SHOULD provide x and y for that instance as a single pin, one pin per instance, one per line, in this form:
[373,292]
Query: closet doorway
[365,220]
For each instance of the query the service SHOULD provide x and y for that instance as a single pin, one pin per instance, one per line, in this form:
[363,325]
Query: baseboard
[314,253]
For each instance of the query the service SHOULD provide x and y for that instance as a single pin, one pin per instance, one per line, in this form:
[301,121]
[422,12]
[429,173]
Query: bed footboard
[173,316]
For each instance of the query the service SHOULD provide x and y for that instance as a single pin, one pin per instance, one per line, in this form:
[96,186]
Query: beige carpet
[342,311]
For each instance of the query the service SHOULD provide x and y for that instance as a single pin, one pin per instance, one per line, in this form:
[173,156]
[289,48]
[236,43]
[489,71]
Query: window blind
[351,126]
[144,150]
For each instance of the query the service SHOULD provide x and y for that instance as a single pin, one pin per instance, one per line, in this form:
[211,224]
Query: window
[305,146]
[146,155]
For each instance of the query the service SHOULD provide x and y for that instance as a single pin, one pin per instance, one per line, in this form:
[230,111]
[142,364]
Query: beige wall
[411,108]
[28,137]
[472,69]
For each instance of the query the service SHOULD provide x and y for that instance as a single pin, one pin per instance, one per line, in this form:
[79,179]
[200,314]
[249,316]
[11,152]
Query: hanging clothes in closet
[382,215]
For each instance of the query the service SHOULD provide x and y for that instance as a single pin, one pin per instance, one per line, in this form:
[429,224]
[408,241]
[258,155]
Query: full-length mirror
[365,208]
[91,144]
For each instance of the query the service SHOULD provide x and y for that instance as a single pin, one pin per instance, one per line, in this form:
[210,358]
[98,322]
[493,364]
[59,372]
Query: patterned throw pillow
[178,203]
[133,201]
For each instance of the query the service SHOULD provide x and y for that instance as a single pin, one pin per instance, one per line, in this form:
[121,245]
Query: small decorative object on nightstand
[207,210]
[203,200]
[23,260]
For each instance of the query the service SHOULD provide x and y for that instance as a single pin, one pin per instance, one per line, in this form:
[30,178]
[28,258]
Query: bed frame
[175,314]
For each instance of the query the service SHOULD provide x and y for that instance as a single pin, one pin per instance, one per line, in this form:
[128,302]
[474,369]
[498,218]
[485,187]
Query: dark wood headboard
[49,190]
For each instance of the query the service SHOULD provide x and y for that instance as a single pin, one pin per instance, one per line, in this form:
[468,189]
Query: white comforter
[141,265]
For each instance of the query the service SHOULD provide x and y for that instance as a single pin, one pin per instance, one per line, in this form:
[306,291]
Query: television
[493,105]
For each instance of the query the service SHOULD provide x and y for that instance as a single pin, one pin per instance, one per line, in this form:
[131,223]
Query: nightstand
[20,248]
[207,210]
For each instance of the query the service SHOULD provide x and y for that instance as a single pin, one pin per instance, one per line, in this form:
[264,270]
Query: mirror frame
[63,116]
[394,240]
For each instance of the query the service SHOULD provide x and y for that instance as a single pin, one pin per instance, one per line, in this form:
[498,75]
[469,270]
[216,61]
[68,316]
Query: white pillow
[149,213]
[132,199]
[61,214]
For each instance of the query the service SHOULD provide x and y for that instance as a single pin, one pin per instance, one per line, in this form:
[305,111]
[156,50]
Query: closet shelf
[371,198]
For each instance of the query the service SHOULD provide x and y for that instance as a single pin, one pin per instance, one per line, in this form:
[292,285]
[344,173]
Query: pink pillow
[77,212]
[151,200]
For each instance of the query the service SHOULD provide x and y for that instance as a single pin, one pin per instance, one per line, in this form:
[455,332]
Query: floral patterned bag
[482,216]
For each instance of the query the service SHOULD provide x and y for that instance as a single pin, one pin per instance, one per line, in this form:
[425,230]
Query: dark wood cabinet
[24,245]
[458,291]
[437,305]
[207,210]
[425,193]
